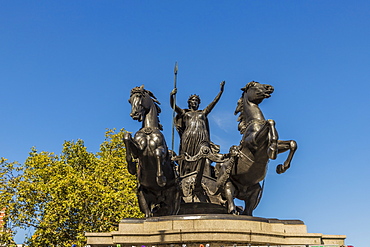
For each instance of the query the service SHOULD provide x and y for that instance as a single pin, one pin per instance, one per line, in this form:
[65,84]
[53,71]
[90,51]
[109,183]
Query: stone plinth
[215,230]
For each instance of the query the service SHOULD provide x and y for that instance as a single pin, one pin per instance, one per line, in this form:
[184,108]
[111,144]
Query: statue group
[188,182]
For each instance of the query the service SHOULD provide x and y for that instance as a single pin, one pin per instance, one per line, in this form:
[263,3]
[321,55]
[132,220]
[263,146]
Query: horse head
[142,102]
[254,92]
[257,92]
[137,97]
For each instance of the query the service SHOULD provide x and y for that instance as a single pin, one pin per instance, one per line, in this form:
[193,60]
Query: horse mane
[145,92]
[242,126]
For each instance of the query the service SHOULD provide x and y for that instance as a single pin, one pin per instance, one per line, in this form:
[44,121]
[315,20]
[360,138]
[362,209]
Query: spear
[174,105]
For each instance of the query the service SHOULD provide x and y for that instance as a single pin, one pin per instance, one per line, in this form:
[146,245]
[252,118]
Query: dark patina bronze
[201,187]
[193,128]
[158,192]
[197,152]
[259,143]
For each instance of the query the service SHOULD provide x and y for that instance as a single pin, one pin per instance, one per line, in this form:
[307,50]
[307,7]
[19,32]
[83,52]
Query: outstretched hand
[222,85]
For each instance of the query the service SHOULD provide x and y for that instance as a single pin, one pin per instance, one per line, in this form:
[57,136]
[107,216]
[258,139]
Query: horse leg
[273,139]
[131,150]
[172,200]
[256,136]
[159,155]
[229,193]
[252,198]
[176,201]
[144,207]
[284,146]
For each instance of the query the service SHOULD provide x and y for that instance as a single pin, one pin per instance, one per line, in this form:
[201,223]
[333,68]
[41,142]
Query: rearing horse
[259,144]
[158,193]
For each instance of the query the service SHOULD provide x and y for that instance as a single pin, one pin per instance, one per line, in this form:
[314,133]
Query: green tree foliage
[6,194]
[63,196]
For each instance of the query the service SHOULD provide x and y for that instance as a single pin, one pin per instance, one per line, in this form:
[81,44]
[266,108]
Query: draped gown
[195,134]
[192,126]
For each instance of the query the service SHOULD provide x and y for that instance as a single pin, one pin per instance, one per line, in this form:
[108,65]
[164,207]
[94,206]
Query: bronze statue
[259,143]
[237,174]
[158,193]
[192,126]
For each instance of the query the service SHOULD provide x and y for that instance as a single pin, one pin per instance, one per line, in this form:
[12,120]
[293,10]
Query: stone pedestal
[215,230]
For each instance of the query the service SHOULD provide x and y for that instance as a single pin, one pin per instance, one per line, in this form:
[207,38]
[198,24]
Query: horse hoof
[161,181]
[234,212]
[280,169]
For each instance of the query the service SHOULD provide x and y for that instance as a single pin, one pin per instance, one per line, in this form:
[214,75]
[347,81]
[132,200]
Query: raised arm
[178,110]
[209,108]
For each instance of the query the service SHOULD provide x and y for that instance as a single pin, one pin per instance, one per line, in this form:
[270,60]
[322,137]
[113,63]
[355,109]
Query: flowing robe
[194,133]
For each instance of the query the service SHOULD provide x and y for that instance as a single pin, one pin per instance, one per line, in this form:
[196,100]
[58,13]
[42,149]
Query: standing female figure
[192,126]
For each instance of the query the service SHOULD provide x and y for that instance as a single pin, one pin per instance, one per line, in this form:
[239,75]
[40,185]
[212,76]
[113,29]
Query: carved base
[215,230]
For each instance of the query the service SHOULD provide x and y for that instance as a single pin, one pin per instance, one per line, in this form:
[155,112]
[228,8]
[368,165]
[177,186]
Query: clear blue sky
[66,68]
